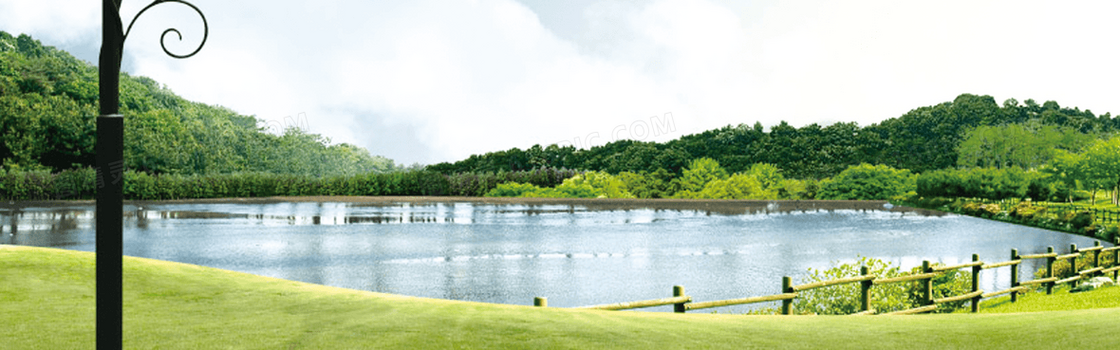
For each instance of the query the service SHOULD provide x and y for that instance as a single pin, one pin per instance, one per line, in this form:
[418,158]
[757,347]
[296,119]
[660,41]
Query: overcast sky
[429,81]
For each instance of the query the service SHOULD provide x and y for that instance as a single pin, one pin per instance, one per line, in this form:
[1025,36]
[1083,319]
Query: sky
[431,81]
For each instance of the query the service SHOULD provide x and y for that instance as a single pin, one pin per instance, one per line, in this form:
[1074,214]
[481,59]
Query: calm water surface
[508,254]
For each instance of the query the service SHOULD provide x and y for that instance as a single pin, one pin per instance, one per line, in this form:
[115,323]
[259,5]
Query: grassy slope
[46,301]
[1061,300]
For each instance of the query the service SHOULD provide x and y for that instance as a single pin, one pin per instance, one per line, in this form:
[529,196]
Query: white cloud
[53,22]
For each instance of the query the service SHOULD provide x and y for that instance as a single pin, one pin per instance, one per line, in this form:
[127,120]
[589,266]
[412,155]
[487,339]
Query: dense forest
[48,101]
[947,135]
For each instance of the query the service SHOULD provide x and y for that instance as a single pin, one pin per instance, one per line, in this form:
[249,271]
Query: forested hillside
[970,147]
[969,131]
[49,101]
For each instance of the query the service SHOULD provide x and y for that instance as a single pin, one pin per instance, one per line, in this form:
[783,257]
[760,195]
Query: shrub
[1062,270]
[512,189]
[603,184]
[75,184]
[991,209]
[1078,219]
[1107,233]
[1026,211]
[970,208]
[845,299]
[947,284]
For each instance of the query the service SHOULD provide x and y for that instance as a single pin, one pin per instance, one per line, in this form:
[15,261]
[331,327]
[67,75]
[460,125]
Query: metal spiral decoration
[205,28]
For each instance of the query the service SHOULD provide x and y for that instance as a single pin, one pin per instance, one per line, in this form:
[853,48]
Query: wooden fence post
[540,302]
[927,285]
[678,291]
[1096,254]
[1073,264]
[1049,270]
[976,283]
[864,290]
[1014,275]
[787,287]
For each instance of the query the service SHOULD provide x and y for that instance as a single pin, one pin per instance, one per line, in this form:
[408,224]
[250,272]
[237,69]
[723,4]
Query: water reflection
[573,254]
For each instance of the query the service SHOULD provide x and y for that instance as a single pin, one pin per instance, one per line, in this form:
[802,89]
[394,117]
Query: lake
[574,254]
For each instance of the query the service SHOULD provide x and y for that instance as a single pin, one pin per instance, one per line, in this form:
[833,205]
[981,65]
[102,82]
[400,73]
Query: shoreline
[710,205]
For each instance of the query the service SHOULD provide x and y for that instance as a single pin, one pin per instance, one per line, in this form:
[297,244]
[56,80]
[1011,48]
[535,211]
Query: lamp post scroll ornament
[110,165]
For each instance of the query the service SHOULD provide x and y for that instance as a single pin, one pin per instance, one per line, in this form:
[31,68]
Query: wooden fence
[682,302]
[1103,216]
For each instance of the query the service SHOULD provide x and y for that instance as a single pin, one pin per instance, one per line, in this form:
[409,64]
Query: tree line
[81,183]
[941,136]
[705,178]
[48,101]
[174,148]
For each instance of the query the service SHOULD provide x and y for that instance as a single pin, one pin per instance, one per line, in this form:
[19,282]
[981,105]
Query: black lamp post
[110,167]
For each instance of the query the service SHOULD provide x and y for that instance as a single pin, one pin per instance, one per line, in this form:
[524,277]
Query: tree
[606,184]
[738,186]
[1016,145]
[698,174]
[1071,170]
[866,182]
[1102,164]
[48,99]
[646,184]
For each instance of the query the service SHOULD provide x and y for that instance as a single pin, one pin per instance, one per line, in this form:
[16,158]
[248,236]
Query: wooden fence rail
[1100,215]
[682,302]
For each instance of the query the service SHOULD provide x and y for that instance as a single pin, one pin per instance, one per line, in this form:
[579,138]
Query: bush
[1062,270]
[26,184]
[991,209]
[75,184]
[602,184]
[947,284]
[592,184]
[969,208]
[1025,211]
[512,189]
[1107,233]
[845,299]
[1078,219]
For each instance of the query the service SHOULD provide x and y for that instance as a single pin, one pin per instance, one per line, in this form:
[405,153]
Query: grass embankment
[47,301]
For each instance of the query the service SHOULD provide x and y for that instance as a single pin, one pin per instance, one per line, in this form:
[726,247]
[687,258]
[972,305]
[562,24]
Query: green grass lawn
[1102,202]
[47,302]
[1062,299]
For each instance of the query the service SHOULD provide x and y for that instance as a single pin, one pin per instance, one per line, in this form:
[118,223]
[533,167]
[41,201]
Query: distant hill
[49,101]
[926,138]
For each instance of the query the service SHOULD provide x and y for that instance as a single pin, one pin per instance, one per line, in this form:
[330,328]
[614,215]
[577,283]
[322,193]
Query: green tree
[1102,161]
[698,174]
[606,185]
[738,186]
[1072,170]
[767,174]
[48,100]
[646,184]
[865,181]
[1017,145]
